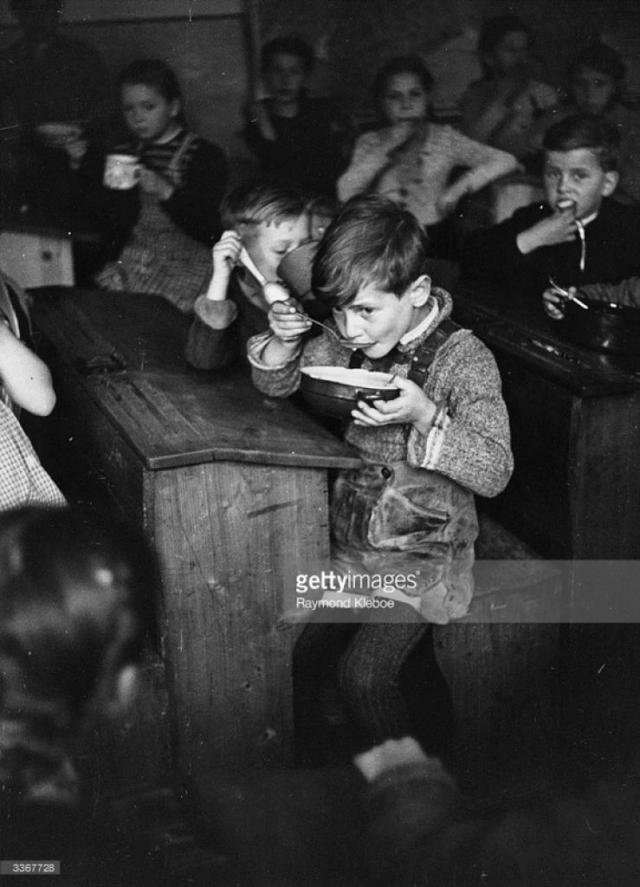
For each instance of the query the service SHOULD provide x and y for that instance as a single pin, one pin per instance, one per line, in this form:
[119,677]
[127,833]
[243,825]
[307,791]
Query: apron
[159,258]
[390,519]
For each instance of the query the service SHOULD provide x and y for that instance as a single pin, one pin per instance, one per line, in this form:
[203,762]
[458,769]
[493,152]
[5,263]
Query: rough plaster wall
[207,54]
[354,36]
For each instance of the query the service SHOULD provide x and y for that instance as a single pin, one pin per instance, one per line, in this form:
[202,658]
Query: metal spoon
[327,328]
[567,295]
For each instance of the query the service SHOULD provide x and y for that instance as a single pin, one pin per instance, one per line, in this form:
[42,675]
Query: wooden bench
[502,665]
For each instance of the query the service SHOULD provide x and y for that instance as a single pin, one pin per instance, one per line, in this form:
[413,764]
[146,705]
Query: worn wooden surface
[232,489]
[502,664]
[131,347]
[575,423]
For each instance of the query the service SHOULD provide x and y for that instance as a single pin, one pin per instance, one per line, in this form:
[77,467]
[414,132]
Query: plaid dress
[23,480]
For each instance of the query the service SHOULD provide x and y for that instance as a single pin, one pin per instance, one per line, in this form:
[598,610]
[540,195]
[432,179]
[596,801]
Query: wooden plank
[172,420]
[505,688]
[37,259]
[169,414]
[89,11]
[228,537]
[605,485]
[523,331]
[148,331]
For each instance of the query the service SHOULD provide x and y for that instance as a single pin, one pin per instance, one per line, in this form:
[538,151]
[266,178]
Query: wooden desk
[575,424]
[36,248]
[231,487]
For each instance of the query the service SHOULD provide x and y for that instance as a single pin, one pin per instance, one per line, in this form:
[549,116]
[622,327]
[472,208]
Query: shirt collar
[588,219]
[416,331]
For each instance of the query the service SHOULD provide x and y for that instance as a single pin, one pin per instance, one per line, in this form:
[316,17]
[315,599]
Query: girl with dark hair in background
[501,108]
[410,159]
[295,137]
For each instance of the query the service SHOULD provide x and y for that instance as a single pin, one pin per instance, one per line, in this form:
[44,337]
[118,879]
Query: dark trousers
[365,662]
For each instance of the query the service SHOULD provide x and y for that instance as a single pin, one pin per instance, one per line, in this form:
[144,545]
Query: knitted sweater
[472,446]
[417,179]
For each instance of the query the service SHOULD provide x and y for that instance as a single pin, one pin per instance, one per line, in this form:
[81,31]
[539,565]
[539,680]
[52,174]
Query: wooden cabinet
[229,485]
[575,425]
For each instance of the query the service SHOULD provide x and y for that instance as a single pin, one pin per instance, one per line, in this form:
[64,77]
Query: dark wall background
[351,38]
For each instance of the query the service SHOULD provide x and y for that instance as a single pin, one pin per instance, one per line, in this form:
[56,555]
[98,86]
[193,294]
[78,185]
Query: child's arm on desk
[25,377]
[275,356]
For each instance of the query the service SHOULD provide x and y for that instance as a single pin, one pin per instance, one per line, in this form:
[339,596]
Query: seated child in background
[410,160]
[160,232]
[501,108]
[410,508]
[75,601]
[579,236]
[263,223]
[295,137]
[25,383]
[596,86]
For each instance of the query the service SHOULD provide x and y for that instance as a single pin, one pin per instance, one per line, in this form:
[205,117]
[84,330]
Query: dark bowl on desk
[335,391]
[604,326]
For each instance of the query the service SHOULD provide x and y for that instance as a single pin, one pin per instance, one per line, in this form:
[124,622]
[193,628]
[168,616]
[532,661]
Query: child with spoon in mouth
[409,509]
[263,222]
[578,236]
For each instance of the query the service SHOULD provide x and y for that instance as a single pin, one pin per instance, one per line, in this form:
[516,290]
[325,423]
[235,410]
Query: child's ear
[419,291]
[610,183]
[175,106]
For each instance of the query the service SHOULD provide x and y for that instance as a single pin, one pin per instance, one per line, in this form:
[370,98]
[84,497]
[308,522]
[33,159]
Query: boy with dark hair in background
[293,136]
[579,235]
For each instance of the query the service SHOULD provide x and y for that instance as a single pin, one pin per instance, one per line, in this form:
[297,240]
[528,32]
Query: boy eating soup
[410,507]
[264,222]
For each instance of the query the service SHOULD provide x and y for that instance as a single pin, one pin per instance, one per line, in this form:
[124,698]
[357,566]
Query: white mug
[121,171]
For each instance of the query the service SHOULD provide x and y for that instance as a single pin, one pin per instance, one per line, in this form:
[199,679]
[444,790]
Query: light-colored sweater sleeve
[485,164]
[471,445]
[370,155]
[283,379]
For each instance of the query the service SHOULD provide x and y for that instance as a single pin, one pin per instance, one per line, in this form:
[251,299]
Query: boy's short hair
[585,131]
[372,241]
[263,201]
[290,45]
[600,58]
